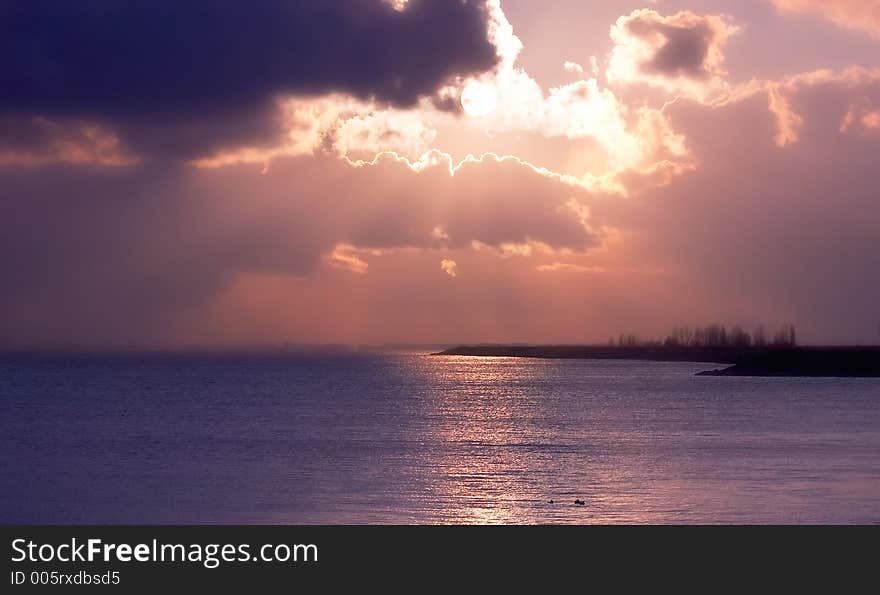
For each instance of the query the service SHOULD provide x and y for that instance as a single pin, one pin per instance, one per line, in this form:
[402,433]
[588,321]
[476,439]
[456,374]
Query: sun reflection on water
[510,440]
[504,457]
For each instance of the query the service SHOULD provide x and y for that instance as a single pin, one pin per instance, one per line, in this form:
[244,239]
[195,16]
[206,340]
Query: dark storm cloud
[156,68]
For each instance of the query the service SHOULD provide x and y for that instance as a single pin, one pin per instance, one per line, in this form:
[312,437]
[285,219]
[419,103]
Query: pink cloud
[762,230]
[681,53]
[863,15]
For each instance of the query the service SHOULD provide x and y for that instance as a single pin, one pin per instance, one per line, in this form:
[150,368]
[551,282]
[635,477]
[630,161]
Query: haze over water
[414,438]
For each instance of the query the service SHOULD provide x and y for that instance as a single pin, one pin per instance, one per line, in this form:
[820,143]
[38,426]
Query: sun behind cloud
[478,99]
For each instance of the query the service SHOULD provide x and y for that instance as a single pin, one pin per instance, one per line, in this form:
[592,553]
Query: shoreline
[834,361]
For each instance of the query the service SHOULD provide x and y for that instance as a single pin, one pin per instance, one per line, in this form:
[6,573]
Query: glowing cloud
[573,67]
[506,99]
[788,122]
[343,257]
[860,115]
[450,267]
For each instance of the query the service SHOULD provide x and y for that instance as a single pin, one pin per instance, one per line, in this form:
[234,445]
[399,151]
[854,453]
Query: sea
[414,438]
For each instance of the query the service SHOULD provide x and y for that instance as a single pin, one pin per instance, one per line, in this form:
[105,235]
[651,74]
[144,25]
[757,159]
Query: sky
[436,171]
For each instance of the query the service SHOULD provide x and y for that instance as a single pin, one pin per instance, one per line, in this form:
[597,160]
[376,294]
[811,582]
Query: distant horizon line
[330,345]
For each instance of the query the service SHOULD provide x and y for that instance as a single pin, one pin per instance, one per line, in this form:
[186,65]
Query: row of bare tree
[717,335]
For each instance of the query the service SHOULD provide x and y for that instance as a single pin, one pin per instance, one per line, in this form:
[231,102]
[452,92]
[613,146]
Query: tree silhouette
[717,336]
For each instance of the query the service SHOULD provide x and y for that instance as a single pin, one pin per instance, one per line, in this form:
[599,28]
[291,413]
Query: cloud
[862,116]
[766,230]
[788,119]
[450,267]
[871,120]
[573,67]
[405,133]
[582,109]
[567,267]
[197,76]
[128,254]
[36,141]
[863,15]
[681,53]
[570,267]
[504,100]
[345,257]
[788,122]
[324,239]
[149,253]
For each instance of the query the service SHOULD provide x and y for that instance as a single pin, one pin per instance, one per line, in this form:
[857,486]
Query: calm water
[420,439]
